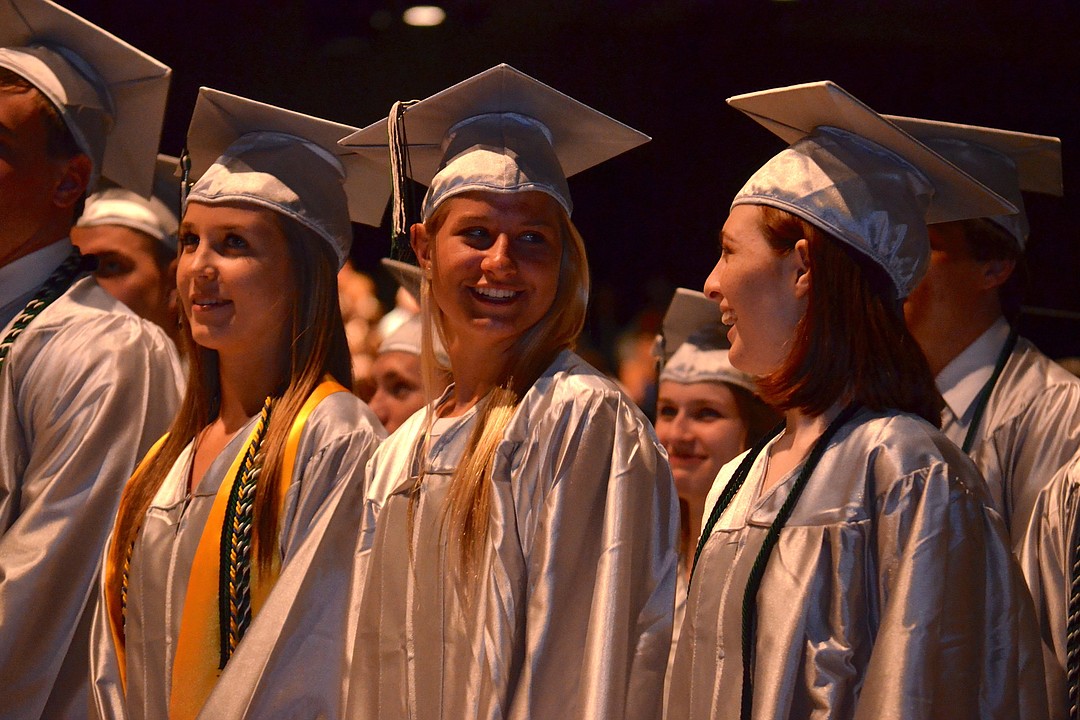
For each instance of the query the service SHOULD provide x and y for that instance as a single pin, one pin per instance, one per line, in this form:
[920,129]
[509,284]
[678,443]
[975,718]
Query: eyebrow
[478,218]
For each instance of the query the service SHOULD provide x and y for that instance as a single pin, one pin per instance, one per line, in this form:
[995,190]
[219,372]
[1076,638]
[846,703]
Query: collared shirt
[19,280]
[960,381]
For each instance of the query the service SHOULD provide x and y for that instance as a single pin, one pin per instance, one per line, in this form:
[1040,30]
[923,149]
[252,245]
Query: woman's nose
[499,259]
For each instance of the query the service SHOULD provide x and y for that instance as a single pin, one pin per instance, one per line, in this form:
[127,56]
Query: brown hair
[60,143]
[468,503]
[757,417]
[852,342]
[318,347]
[987,241]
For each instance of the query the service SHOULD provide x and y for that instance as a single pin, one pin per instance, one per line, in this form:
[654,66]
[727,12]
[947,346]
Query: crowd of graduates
[220,498]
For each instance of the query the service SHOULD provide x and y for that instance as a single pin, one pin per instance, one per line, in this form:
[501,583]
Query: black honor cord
[753,583]
[987,390]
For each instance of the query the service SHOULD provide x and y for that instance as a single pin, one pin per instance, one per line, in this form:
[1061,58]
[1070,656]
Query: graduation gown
[891,592]
[1029,430]
[85,391]
[568,612]
[338,439]
[1047,557]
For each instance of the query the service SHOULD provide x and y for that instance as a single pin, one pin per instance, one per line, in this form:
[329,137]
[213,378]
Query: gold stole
[195,666]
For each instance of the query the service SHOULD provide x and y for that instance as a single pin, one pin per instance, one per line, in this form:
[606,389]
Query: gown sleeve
[956,636]
[601,563]
[90,400]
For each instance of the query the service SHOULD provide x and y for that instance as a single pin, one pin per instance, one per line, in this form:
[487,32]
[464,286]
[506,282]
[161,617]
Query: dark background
[650,218]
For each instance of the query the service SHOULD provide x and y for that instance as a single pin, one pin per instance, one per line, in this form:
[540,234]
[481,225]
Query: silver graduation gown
[1047,557]
[86,390]
[891,592]
[338,439]
[1029,431]
[571,605]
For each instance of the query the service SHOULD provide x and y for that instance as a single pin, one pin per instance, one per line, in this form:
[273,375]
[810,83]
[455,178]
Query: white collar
[28,272]
[959,382]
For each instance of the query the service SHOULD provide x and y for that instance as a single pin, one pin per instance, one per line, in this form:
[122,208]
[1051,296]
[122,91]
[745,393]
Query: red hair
[852,343]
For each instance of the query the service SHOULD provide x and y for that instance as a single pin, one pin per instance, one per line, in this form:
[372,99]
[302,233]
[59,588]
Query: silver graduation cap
[110,95]
[695,348]
[859,177]
[499,131]
[157,216]
[1007,162]
[245,150]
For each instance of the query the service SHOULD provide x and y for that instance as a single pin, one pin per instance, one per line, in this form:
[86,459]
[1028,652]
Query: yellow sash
[198,649]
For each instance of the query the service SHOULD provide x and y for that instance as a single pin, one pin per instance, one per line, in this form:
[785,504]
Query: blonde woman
[266,432]
[516,557]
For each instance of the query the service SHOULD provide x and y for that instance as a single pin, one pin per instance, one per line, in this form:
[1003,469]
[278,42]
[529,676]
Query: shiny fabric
[863,194]
[498,152]
[286,174]
[994,169]
[1029,431]
[891,592]
[337,440]
[569,612]
[1047,556]
[86,390]
[697,360]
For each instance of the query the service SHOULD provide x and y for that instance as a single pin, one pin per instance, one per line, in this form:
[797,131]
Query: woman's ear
[800,255]
[421,246]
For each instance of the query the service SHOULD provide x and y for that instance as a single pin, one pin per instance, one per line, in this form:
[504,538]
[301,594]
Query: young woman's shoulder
[899,446]
[342,415]
[572,393]
[570,379]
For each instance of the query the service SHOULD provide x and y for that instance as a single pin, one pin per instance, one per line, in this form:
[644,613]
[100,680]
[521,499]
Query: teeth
[495,293]
[728,318]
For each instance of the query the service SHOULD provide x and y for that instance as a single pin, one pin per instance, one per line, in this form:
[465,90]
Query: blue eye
[235,242]
[533,237]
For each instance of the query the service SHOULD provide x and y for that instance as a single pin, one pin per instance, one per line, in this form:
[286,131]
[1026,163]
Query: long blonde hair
[468,504]
[318,347]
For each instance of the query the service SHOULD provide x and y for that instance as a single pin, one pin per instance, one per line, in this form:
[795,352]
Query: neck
[43,238]
[952,331]
[246,382]
[476,370]
[695,509]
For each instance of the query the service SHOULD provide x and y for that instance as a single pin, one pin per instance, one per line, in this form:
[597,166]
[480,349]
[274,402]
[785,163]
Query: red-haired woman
[849,566]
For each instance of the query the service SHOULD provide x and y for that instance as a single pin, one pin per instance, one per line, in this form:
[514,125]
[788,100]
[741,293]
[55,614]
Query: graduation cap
[859,177]
[157,216]
[243,150]
[499,131]
[110,95]
[1007,162]
[408,336]
[695,346]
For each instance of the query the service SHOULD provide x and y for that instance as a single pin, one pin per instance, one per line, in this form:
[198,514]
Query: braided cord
[753,583]
[56,285]
[730,491]
[1072,627]
[234,584]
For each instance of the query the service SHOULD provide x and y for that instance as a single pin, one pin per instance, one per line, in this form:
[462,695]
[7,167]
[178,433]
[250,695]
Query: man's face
[130,269]
[28,176]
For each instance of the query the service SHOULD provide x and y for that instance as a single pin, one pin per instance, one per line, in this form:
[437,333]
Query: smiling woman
[265,434]
[516,557]
[850,564]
